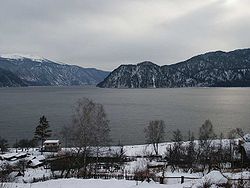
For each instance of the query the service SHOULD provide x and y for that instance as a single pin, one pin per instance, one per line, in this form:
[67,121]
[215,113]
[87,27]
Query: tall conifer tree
[42,131]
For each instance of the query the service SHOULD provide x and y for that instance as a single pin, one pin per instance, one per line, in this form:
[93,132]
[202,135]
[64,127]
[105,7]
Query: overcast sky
[107,33]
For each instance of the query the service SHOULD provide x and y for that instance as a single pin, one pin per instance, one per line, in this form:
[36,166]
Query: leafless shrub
[154,133]
[206,184]
[141,175]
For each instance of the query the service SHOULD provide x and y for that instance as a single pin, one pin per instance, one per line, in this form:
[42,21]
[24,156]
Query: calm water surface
[129,110]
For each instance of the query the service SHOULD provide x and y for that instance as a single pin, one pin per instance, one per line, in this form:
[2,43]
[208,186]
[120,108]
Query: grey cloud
[104,34]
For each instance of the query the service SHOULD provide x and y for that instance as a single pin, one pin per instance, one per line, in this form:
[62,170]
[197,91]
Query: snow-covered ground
[139,162]
[97,183]
[215,178]
[89,183]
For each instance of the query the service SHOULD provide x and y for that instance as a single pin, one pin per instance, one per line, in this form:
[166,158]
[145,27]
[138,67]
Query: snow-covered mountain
[22,57]
[7,79]
[36,71]
[207,70]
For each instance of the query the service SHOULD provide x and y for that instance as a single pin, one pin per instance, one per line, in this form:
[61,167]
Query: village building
[8,156]
[51,146]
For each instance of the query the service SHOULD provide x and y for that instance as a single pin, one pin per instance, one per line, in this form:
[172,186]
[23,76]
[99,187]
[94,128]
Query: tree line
[202,154]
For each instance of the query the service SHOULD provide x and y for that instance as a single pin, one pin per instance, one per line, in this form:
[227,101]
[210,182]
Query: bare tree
[237,132]
[177,136]
[21,165]
[154,133]
[3,145]
[206,149]
[191,156]
[65,135]
[206,133]
[234,146]
[89,129]
[5,170]
[177,150]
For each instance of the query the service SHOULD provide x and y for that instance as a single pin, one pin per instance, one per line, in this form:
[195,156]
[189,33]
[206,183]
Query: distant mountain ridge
[23,70]
[212,69]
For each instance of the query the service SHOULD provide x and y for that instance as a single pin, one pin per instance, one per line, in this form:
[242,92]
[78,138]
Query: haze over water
[129,110]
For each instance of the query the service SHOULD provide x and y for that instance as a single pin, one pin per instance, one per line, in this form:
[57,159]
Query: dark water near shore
[129,110]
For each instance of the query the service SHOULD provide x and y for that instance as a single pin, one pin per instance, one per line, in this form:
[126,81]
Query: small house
[9,156]
[51,146]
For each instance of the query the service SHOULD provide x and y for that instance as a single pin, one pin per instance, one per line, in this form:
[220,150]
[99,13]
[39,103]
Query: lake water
[129,110]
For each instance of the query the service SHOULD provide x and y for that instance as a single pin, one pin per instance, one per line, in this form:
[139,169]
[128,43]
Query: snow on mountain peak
[22,56]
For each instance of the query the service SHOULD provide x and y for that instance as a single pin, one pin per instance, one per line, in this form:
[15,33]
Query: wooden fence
[135,178]
[116,176]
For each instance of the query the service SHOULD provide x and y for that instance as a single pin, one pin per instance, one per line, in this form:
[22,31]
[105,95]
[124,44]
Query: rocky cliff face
[43,72]
[207,70]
